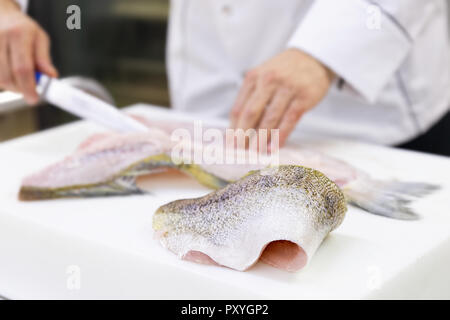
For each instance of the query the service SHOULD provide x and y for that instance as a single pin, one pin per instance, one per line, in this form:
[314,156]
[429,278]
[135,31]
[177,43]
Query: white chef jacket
[23,4]
[391,56]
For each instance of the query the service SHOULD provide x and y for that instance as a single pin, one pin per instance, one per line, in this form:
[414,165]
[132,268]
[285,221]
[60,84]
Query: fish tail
[391,199]
[204,177]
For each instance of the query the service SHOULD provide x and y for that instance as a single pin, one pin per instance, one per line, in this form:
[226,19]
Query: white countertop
[104,247]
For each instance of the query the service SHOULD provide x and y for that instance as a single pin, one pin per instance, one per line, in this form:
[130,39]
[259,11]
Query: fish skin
[232,226]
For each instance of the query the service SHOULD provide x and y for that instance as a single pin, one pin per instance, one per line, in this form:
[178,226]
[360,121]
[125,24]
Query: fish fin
[387,198]
[204,177]
[124,185]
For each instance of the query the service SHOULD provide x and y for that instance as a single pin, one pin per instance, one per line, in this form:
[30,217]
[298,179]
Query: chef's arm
[363,41]
[24,48]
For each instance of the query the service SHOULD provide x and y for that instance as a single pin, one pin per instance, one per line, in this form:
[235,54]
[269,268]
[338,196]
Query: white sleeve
[363,41]
[23,4]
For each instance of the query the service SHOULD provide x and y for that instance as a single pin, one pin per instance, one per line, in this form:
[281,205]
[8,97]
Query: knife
[84,105]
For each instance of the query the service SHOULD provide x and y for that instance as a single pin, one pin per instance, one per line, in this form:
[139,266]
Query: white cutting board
[104,247]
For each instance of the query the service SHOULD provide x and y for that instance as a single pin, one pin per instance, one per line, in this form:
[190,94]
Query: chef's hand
[277,93]
[24,47]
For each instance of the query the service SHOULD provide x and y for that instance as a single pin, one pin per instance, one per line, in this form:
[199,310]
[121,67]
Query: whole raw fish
[279,214]
[108,164]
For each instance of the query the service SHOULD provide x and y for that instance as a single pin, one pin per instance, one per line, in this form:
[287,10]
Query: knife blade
[84,105]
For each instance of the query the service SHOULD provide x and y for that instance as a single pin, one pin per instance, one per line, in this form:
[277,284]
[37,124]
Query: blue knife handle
[37,76]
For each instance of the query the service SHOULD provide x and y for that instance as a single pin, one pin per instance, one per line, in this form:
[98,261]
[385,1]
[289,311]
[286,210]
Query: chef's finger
[6,81]
[22,61]
[244,93]
[290,120]
[43,58]
[275,110]
[254,106]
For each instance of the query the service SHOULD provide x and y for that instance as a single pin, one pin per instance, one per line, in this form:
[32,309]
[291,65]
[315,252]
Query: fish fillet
[279,215]
[107,165]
